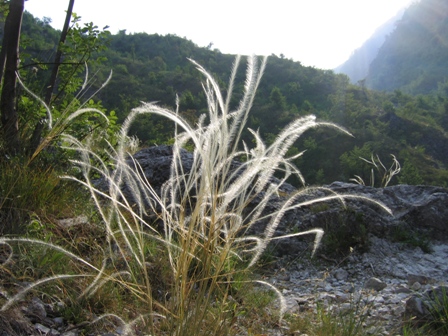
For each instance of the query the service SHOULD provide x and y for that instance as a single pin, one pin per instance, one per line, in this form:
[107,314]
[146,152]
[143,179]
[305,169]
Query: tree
[35,139]
[8,67]
[410,174]
[278,99]
[76,46]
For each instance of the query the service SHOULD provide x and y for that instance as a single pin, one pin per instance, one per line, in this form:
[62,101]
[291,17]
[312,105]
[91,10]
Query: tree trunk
[37,134]
[3,51]
[11,46]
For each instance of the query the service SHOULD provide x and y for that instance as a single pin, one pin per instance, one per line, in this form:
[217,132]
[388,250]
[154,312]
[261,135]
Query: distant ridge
[357,66]
[414,57]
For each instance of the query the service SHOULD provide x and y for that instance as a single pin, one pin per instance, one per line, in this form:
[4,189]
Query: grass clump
[439,311]
[385,174]
[435,322]
[402,233]
[345,231]
[194,234]
[338,320]
[29,191]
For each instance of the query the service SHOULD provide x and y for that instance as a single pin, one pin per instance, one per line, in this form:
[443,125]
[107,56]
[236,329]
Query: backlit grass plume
[203,210]
[201,220]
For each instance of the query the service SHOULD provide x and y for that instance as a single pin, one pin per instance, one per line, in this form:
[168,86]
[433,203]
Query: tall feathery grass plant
[200,222]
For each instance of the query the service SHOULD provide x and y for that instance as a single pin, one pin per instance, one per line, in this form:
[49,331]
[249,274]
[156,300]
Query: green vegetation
[351,320]
[156,68]
[411,128]
[404,234]
[437,322]
[29,191]
[346,231]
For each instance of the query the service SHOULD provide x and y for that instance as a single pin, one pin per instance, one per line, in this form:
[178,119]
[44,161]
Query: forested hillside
[156,68]
[414,57]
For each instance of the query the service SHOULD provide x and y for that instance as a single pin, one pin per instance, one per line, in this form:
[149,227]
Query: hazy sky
[320,33]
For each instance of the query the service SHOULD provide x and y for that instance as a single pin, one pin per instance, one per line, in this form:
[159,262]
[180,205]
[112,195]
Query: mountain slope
[156,68]
[152,67]
[357,66]
[414,57]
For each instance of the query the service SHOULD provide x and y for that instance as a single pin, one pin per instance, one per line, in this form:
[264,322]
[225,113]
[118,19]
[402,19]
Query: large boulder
[419,215]
[420,209]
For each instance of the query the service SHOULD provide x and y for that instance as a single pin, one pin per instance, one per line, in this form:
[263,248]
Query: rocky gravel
[381,282]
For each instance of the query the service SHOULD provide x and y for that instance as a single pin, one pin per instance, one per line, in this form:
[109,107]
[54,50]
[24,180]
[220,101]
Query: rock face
[420,209]
[156,163]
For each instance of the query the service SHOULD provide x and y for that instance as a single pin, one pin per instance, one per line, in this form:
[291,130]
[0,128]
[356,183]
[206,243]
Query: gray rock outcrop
[419,207]
[416,209]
